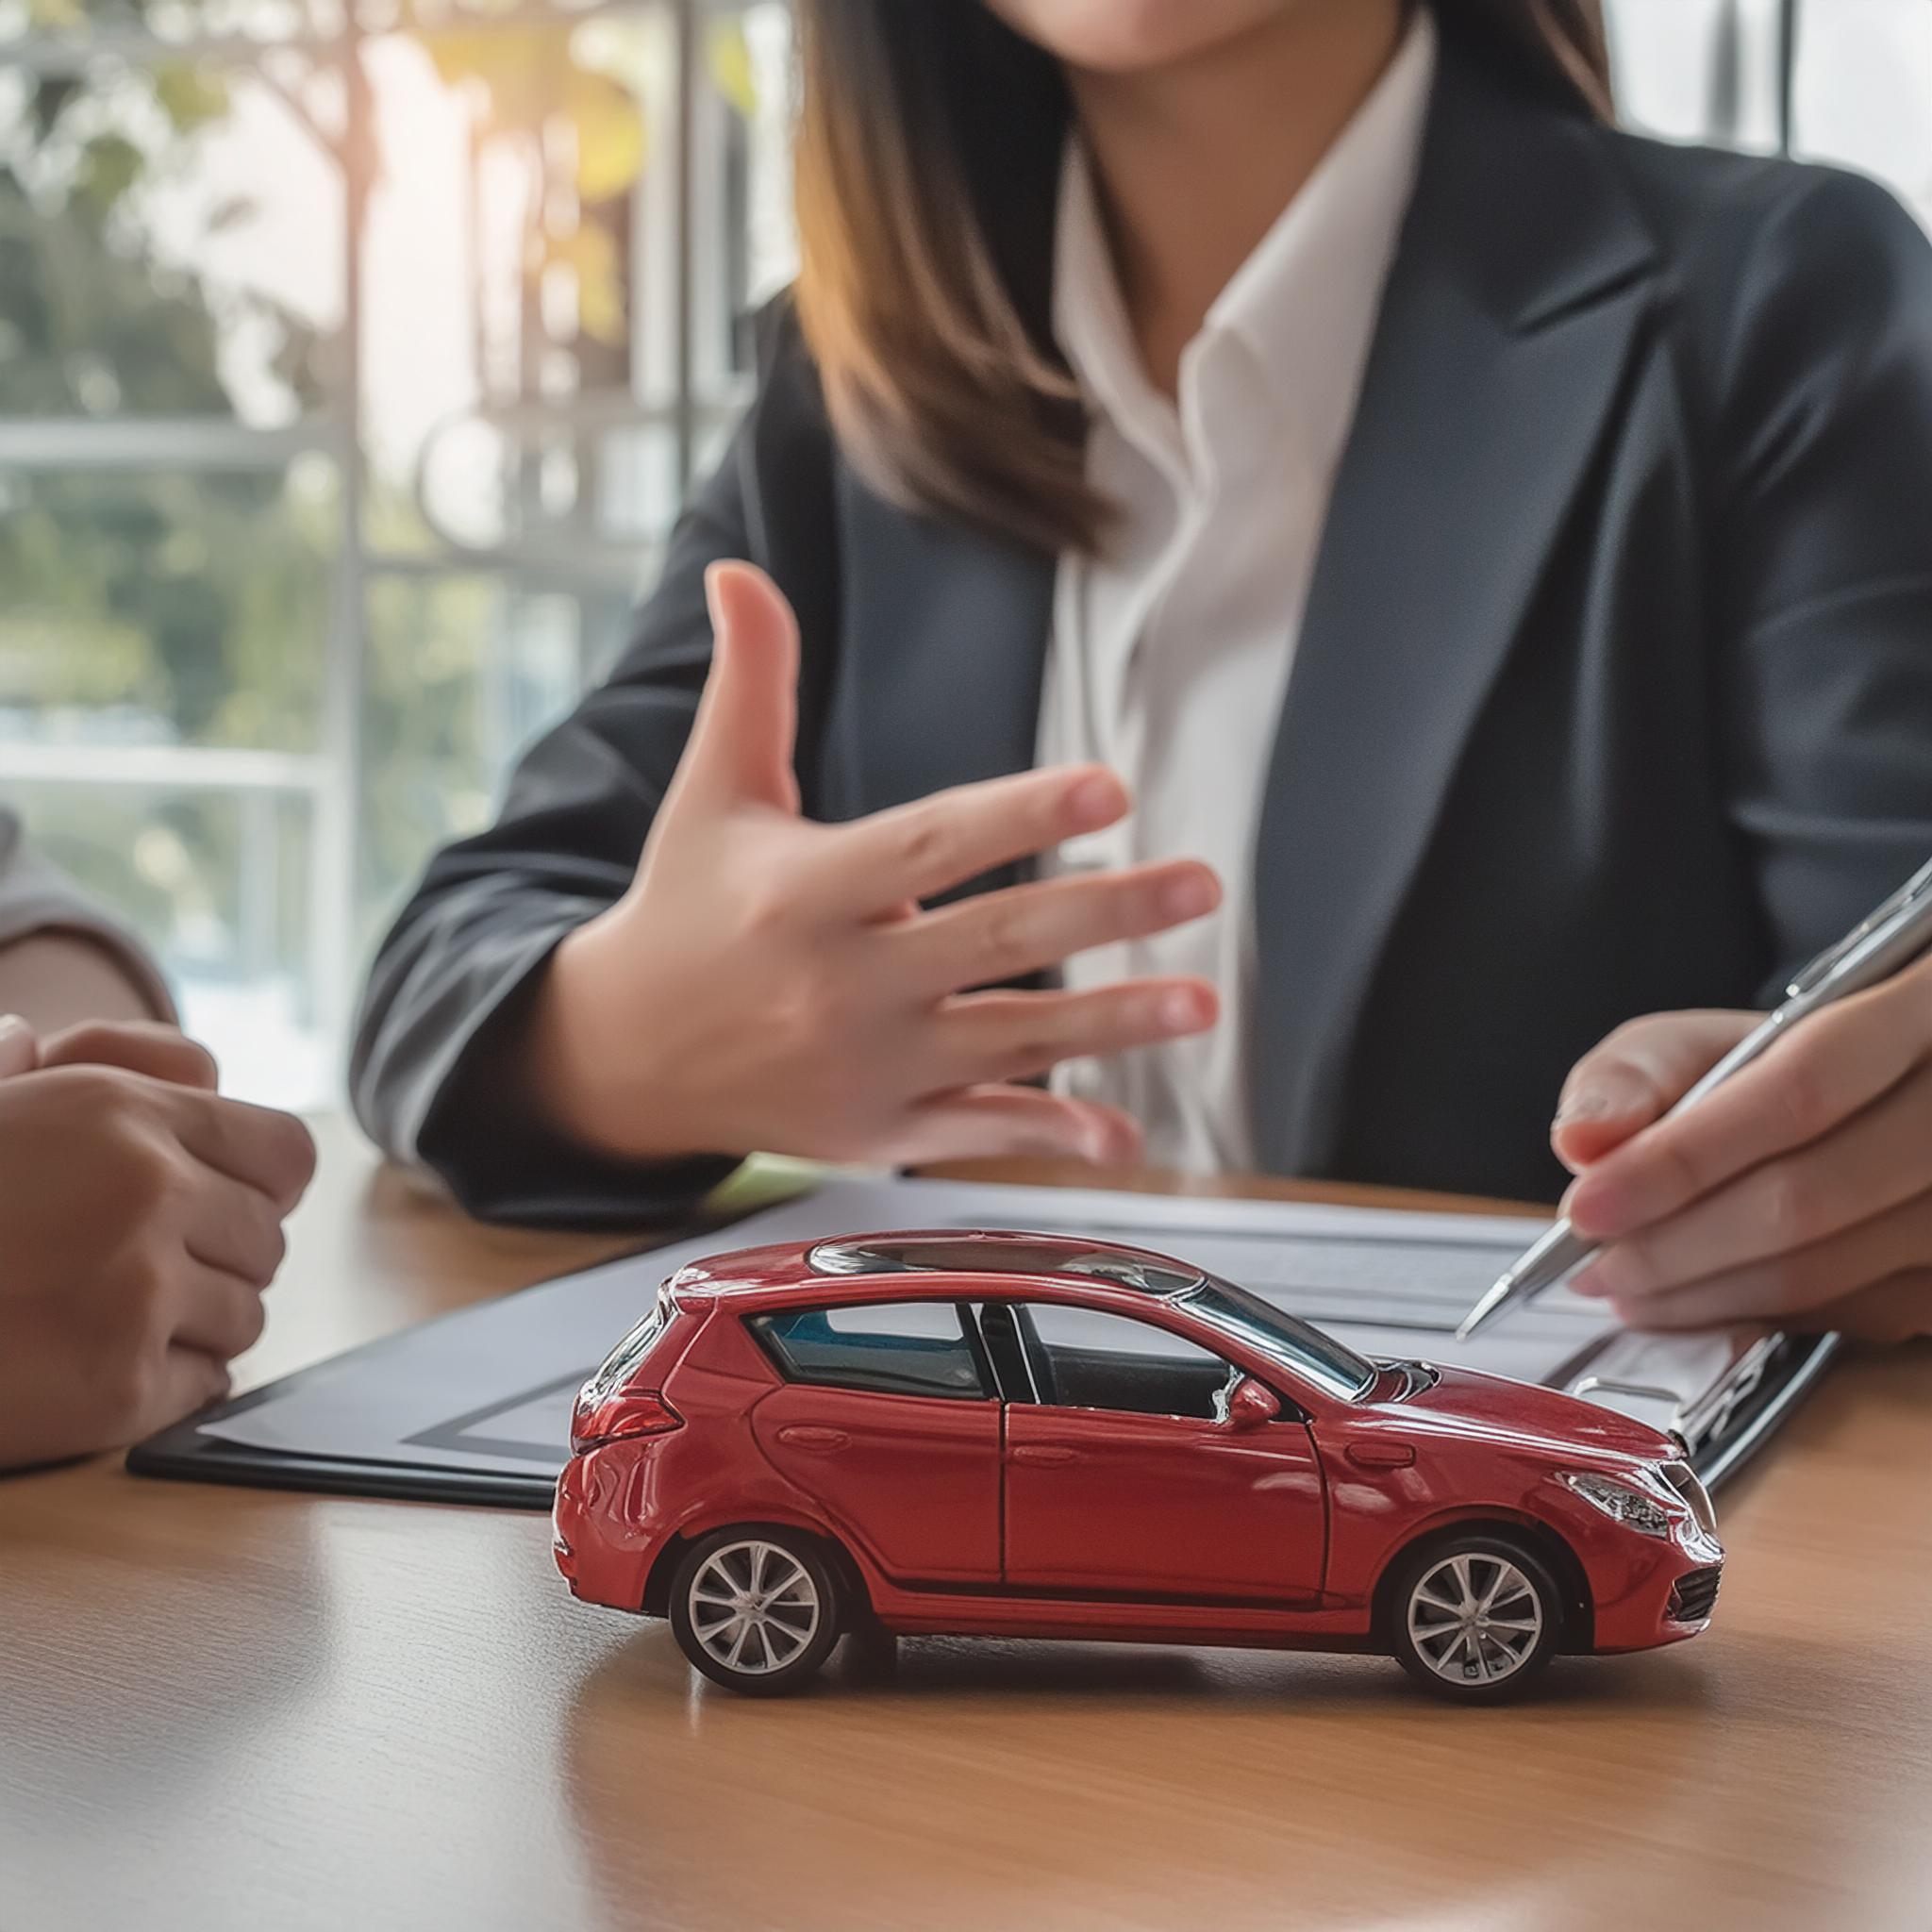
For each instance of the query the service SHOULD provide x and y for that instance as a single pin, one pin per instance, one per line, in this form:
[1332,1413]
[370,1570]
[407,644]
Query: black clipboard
[1722,1432]
[186,1453]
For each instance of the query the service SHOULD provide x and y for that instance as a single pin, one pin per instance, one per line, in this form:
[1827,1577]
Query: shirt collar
[1303,304]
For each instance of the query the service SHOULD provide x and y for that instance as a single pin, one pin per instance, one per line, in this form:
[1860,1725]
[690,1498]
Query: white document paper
[488,1389]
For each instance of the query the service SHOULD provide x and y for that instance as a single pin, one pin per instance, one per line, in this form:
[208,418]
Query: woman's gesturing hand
[1800,1191]
[771,983]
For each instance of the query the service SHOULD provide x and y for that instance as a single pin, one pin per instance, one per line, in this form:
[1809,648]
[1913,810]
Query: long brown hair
[928,155]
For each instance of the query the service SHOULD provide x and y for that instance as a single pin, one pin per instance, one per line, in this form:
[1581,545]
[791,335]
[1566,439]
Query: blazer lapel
[943,641]
[1506,330]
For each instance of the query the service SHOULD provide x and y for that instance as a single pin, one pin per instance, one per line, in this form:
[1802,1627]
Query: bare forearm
[54,979]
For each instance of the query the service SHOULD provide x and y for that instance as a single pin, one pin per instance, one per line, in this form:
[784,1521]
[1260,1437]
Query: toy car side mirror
[1250,1403]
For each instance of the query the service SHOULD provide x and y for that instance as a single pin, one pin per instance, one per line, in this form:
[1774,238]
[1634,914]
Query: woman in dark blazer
[1610,691]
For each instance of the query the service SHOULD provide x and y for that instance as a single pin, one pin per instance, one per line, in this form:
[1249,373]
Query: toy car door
[1121,1477]
[887,1423]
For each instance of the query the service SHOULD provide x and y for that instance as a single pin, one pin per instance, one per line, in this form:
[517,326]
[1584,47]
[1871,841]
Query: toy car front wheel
[755,1609]
[1475,1617]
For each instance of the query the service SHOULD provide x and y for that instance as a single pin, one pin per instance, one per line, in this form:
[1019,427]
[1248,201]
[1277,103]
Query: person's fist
[140,1046]
[140,1218]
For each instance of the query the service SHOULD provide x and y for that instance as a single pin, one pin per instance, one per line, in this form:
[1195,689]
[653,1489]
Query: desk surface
[226,1708]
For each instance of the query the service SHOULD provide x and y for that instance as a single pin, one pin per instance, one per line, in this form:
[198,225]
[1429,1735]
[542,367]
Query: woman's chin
[1134,36]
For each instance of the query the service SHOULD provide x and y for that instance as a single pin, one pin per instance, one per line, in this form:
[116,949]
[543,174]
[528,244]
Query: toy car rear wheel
[1475,1617]
[756,1608]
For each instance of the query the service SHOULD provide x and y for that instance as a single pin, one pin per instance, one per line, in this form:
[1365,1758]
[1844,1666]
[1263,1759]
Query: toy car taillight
[619,1418]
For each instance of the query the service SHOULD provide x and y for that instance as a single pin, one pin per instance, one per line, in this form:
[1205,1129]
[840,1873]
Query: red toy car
[1028,1435]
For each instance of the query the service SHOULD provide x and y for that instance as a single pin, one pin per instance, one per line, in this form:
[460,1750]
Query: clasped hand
[140,1217]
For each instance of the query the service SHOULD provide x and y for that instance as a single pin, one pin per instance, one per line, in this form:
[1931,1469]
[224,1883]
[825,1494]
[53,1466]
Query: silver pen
[1873,951]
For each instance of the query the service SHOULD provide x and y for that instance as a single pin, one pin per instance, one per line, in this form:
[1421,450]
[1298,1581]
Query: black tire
[1466,1661]
[724,1569]
[871,1651]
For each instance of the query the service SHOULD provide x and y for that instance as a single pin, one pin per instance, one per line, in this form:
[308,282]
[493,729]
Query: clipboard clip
[1608,1385]
[1704,1421]
[1708,1419]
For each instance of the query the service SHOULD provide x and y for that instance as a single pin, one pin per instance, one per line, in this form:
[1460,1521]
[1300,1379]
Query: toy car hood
[1465,1402]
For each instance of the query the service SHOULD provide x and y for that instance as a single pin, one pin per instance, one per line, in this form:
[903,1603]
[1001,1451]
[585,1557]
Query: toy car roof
[870,1263]
[999,1251]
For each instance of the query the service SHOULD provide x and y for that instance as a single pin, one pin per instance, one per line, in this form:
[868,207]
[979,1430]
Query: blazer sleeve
[453,979]
[37,897]
[1824,525]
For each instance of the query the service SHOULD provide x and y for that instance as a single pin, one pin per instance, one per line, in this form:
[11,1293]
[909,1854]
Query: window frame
[684,383]
[1292,1409]
[756,1325]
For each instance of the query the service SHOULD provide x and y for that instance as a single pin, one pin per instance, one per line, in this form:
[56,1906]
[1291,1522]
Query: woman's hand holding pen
[770,983]
[1799,1191]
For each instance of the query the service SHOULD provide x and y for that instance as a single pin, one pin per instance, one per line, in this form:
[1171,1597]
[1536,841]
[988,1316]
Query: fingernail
[1588,1104]
[1600,1210]
[1589,1283]
[1188,895]
[1098,801]
[1181,1011]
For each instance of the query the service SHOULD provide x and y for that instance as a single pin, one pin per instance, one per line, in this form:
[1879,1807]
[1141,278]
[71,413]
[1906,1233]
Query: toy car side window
[889,1348]
[1091,1359]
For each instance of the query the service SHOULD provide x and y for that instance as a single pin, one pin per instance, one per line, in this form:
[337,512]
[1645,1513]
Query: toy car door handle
[1044,1456]
[1381,1455]
[811,1436]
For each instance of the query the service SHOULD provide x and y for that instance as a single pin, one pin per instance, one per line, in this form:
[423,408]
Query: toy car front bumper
[1669,1591]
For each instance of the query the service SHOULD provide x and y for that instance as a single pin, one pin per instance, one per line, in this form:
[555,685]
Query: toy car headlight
[1633,1508]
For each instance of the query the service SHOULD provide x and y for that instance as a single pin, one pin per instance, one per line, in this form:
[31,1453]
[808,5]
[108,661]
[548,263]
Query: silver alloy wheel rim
[1474,1618]
[752,1607]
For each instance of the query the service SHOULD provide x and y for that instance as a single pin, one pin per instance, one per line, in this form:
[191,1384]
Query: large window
[354,354]
[1838,80]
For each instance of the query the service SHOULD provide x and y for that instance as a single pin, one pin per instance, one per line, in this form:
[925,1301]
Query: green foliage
[110,164]
[198,608]
[197,600]
[177,606]
[424,730]
[191,96]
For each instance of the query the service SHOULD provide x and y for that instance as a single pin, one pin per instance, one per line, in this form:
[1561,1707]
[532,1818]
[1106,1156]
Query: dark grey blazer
[1614,691]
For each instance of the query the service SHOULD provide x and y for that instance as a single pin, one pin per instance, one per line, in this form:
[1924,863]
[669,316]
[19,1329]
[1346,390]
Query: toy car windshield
[1297,1346]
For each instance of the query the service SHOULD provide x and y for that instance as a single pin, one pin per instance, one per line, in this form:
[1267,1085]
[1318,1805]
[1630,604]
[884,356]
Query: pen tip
[1478,1317]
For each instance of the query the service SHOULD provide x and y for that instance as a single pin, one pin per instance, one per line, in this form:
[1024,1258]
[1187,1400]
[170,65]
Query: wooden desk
[223,1709]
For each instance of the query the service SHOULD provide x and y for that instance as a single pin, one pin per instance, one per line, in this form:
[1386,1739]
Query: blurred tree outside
[194,608]
[140,608]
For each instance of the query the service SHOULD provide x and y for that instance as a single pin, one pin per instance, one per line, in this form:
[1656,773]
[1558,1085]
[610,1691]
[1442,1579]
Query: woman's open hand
[1800,1191]
[773,984]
